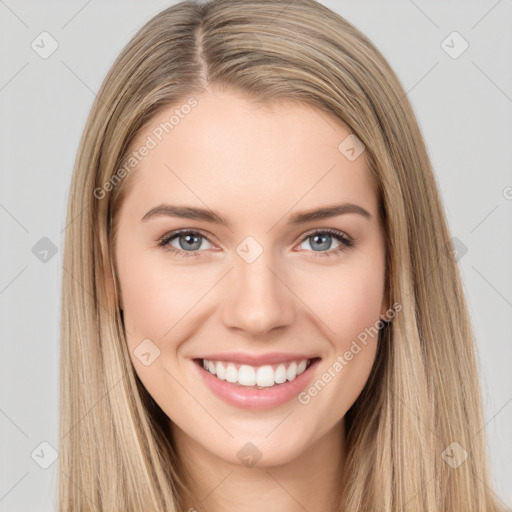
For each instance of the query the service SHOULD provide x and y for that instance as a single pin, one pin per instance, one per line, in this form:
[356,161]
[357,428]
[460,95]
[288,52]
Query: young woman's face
[266,282]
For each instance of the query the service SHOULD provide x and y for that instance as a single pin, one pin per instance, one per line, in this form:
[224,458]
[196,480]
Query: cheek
[359,302]
[156,296]
[346,298]
[349,308]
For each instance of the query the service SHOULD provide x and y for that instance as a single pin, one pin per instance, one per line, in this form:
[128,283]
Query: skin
[255,167]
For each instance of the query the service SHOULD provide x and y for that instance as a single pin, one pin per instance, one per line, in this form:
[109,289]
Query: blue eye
[186,238]
[319,238]
[191,239]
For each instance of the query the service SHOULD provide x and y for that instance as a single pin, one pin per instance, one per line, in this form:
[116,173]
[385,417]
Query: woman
[218,352]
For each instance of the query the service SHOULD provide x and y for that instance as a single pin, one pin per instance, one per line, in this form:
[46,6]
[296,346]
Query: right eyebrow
[207,215]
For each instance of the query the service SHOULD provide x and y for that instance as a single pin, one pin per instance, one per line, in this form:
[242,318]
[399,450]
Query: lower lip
[253,398]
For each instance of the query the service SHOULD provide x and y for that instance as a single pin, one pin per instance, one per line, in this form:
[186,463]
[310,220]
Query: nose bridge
[257,299]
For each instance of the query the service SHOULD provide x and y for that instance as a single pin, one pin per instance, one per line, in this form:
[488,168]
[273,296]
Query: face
[266,282]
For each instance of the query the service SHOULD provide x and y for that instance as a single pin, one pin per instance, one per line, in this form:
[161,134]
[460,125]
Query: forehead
[227,151]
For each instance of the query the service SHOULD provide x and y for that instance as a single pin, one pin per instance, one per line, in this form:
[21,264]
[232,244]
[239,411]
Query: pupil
[323,240]
[190,240]
[327,244]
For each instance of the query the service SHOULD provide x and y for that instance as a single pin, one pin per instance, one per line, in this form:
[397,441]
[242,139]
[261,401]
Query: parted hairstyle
[423,392]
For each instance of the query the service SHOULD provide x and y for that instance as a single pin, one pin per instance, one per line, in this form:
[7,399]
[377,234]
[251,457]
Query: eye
[319,239]
[189,242]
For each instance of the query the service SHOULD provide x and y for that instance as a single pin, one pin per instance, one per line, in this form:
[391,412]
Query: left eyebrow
[190,212]
[328,212]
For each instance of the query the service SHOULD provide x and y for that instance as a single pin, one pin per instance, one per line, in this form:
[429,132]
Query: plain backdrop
[463,101]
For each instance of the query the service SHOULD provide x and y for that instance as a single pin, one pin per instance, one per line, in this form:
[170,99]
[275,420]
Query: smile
[256,387]
[259,377]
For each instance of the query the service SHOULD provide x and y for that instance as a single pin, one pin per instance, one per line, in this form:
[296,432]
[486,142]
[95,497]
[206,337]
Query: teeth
[246,375]
[250,376]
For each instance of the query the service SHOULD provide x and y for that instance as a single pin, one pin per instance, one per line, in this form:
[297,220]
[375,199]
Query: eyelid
[306,234]
[344,239]
[173,234]
[331,231]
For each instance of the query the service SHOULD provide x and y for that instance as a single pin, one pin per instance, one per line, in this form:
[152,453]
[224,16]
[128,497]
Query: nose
[258,299]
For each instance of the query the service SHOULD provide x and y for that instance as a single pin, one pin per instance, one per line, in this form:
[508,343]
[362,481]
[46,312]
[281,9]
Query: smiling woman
[266,297]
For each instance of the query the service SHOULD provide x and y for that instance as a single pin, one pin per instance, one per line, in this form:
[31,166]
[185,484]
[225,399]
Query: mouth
[256,377]
[256,388]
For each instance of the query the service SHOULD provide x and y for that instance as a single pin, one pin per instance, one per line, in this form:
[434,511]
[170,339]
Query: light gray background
[464,108]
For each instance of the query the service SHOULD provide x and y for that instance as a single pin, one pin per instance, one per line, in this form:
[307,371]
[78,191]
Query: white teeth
[220,371]
[280,374]
[231,373]
[291,372]
[263,376]
[246,375]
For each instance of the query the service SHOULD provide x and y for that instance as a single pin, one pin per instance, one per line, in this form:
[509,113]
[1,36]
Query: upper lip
[257,359]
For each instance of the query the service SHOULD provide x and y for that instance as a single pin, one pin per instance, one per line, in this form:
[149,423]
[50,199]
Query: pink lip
[253,398]
[257,360]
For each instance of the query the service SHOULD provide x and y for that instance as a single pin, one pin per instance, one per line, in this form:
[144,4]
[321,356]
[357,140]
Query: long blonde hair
[423,393]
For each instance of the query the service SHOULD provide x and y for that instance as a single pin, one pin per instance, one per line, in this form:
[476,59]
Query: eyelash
[345,241]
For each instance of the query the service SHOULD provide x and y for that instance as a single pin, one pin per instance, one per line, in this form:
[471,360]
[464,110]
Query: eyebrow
[190,212]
